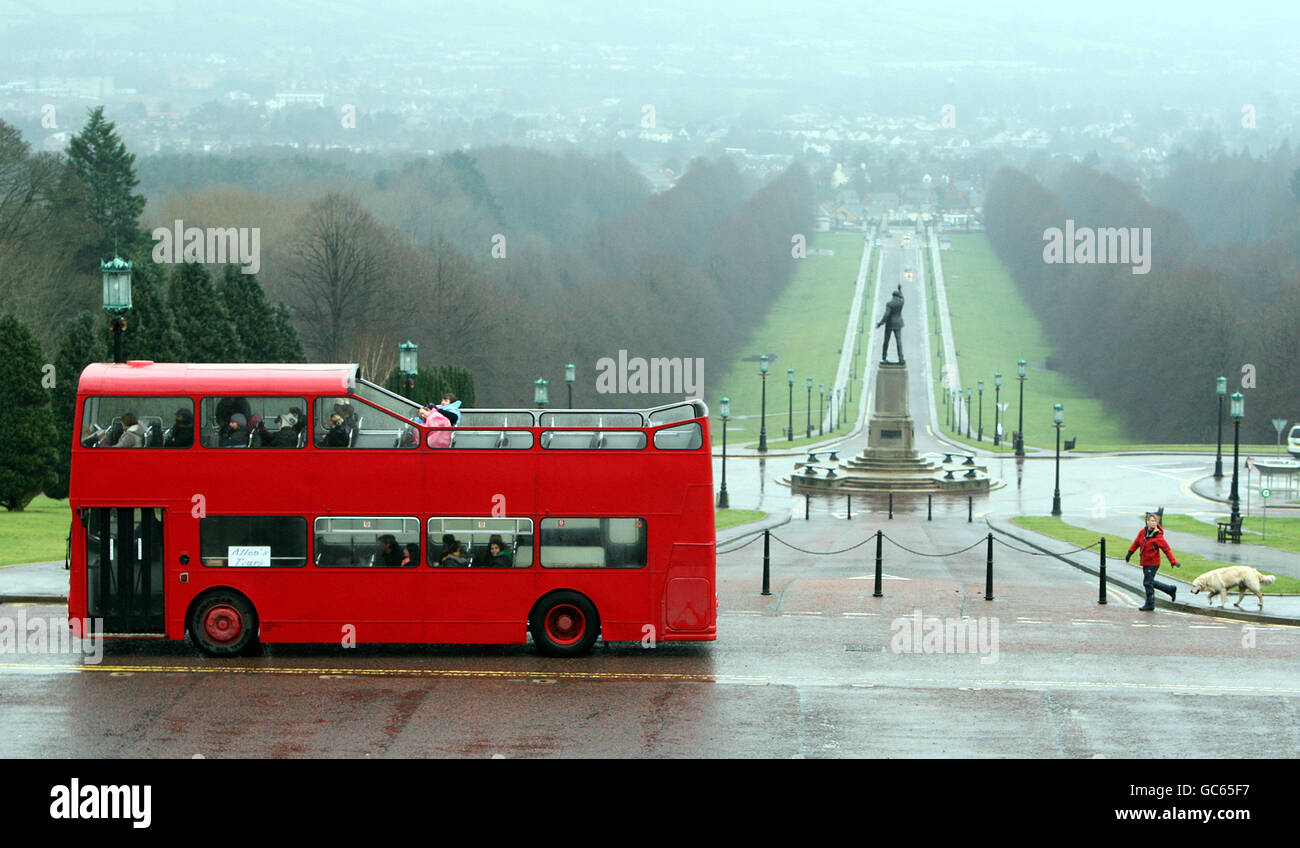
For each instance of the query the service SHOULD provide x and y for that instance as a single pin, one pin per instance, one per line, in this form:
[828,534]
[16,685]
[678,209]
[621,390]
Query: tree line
[1153,344]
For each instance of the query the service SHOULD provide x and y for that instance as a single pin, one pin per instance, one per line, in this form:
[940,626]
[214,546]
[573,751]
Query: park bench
[1230,528]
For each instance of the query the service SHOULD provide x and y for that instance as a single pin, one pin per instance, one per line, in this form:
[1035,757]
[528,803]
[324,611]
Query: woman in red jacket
[1151,539]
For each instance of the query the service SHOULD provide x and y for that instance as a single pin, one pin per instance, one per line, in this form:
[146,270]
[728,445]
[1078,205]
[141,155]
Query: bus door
[124,568]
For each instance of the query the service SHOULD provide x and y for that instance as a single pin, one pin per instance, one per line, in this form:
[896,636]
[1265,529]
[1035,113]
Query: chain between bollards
[988,572]
[1101,588]
[880,540]
[767,561]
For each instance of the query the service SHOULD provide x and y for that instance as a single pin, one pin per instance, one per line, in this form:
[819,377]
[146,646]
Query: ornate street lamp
[116,275]
[1020,439]
[408,362]
[1236,409]
[539,393]
[968,398]
[723,500]
[808,429]
[997,415]
[570,374]
[1058,421]
[821,419]
[762,412]
[981,424]
[1220,389]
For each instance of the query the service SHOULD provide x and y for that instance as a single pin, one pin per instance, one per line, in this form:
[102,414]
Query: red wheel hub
[565,624]
[223,624]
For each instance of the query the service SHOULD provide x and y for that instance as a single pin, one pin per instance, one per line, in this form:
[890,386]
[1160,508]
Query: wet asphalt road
[815,669]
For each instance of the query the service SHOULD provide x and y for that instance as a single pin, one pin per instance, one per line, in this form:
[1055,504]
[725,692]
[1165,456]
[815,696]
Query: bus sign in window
[253,541]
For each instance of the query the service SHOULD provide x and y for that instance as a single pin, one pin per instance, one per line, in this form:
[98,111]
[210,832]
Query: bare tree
[340,268]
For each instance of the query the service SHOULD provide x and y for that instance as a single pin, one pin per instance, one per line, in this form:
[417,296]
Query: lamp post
[1220,389]
[1058,421]
[821,418]
[570,374]
[981,424]
[723,501]
[762,429]
[968,399]
[408,362]
[1237,409]
[116,277]
[808,433]
[1020,438]
[997,414]
[839,408]
[539,393]
[789,424]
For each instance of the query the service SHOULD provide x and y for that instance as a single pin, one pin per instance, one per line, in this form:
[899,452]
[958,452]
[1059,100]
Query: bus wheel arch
[564,623]
[222,622]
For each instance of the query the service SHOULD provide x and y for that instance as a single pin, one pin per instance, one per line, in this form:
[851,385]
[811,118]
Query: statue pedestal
[891,433]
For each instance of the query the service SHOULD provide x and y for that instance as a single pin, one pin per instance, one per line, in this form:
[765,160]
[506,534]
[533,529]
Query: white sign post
[1264,493]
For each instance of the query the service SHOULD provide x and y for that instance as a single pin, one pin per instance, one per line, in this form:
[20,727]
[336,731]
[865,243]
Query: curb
[740,531]
[1136,586]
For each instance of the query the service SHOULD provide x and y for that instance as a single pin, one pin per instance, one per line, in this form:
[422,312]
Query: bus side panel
[689,604]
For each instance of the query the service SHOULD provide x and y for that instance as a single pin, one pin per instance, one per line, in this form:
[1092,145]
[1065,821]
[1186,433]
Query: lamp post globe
[570,375]
[408,362]
[539,393]
[116,282]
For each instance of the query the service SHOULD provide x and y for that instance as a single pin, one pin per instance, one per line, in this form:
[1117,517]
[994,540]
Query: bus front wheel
[223,624]
[564,624]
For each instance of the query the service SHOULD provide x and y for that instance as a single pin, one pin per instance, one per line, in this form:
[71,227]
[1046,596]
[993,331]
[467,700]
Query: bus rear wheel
[564,624]
[223,624]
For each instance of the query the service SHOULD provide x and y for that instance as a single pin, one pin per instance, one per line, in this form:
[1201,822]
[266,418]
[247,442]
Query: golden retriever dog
[1243,578]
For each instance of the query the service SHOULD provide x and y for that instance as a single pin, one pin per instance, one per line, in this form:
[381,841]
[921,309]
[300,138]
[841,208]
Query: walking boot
[1173,593]
[1147,608]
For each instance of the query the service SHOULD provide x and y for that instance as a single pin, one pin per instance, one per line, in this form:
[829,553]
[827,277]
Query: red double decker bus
[301,503]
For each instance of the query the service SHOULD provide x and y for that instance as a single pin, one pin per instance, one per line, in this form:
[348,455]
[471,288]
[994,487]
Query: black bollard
[849,509]
[970,509]
[988,572]
[1101,590]
[807,505]
[929,507]
[880,536]
[891,506]
[767,560]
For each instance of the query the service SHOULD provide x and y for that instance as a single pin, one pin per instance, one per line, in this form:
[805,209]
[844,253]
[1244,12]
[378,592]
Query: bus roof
[146,378]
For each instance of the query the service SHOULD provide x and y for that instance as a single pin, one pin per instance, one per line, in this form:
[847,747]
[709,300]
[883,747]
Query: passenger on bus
[181,433]
[430,416]
[132,433]
[411,553]
[498,555]
[450,408]
[235,432]
[337,436]
[452,554]
[388,555]
[285,434]
[344,410]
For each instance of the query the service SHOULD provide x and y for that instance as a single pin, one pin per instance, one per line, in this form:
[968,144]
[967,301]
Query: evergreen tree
[288,344]
[28,437]
[201,317]
[99,158]
[81,346]
[254,320]
[433,381]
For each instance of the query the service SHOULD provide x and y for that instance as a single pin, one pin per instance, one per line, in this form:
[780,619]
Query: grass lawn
[1283,533]
[992,328]
[37,534]
[804,329]
[731,517]
[1116,547]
